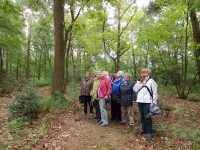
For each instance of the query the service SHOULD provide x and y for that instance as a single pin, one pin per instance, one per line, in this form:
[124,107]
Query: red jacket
[105,88]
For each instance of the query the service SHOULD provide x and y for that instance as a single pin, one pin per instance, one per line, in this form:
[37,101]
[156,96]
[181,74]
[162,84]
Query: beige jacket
[86,86]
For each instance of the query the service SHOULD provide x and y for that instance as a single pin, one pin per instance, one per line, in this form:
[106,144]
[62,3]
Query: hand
[133,102]
[143,83]
[106,97]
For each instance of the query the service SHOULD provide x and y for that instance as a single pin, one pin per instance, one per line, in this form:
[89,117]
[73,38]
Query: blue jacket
[115,85]
[127,95]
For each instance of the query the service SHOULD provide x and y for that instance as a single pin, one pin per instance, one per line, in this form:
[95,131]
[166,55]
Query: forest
[46,46]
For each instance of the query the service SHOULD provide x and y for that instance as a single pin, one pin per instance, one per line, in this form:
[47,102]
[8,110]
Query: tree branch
[128,22]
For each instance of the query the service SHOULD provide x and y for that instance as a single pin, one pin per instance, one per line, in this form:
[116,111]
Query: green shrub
[194,97]
[42,82]
[53,102]
[25,104]
[167,107]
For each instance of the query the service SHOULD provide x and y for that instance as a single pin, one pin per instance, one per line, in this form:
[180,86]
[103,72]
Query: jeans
[104,116]
[98,113]
[146,122]
[88,102]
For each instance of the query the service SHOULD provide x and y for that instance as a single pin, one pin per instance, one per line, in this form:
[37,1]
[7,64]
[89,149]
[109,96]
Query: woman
[94,94]
[86,87]
[104,92]
[127,97]
[143,88]
[115,102]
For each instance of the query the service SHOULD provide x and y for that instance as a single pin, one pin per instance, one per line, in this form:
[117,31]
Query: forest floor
[71,130]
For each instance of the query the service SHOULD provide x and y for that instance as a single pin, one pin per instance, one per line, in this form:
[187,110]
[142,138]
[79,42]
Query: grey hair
[121,72]
[106,73]
[127,74]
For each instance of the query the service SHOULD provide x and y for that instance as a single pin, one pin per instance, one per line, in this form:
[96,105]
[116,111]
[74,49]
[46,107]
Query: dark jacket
[127,95]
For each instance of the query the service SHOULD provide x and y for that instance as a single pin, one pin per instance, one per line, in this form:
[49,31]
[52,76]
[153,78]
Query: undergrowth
[21,132]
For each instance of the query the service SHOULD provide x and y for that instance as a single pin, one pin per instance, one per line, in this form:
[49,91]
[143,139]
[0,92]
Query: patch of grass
[194,97]
[176,109]
[42,82]
[20,134]
[189,131]
[167,107]
[55,102]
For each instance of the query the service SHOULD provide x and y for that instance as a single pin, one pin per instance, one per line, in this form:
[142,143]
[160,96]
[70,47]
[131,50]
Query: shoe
[141,131]
[131,124]
[122,122]
[100,122]
[117,120]
[104,125]
[149,137]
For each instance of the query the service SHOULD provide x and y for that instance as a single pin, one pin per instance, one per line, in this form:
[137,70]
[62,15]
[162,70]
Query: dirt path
[71,130]
[74,131]
[3,111]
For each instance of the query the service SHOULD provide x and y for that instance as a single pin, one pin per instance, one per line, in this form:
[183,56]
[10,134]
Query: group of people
[121,92]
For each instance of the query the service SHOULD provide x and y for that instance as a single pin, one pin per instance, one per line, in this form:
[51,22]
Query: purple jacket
[105,88]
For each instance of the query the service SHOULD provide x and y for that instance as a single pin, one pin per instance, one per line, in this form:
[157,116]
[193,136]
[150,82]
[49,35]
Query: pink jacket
[105,88]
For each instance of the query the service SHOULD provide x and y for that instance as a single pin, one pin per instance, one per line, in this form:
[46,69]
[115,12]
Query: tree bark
[196,37]
[28,53]
[67,60]
[118,37]
[134,63]
[39,67]
[48,56]
[59,55]
[1,65]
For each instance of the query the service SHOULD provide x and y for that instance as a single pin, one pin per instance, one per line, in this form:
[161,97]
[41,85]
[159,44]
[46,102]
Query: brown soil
[71,130]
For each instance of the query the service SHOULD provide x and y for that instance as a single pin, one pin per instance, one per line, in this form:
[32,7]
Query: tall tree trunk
[134,64]
[48,56]
[117,63]
[45,64]
[28,53]
[59,55]
[196,37]
[7,72]
[39,67]
[67,60]
[17,68]
[1,65]
[118,36]
[74,65]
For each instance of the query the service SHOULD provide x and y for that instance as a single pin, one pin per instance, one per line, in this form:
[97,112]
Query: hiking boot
[149,137]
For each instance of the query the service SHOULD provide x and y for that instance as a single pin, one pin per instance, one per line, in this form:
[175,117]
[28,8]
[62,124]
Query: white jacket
[143,95]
